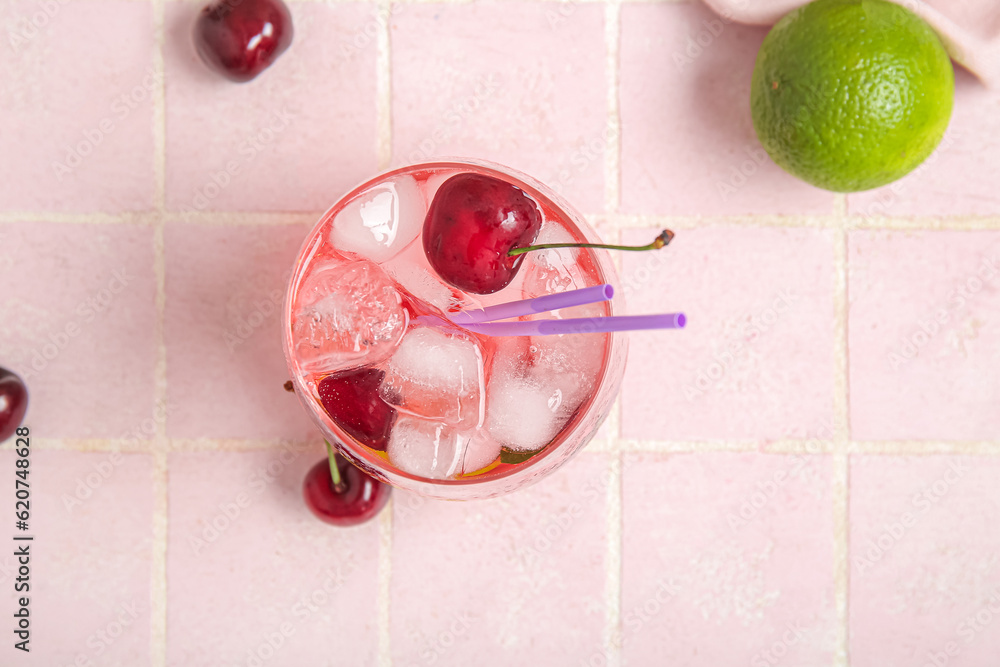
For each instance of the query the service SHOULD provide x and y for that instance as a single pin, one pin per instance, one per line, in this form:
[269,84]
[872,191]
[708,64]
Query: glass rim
[533,468]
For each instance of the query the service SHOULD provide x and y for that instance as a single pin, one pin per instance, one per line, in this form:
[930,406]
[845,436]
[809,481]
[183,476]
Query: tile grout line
[613,126]
[158,633]
[779,447]
[383,110]
[841,559]
[613,579]
[612,203]
[383,85]
[614,219]
[902,223]
[840,206]
[840,491]
[383,595]
[242,219]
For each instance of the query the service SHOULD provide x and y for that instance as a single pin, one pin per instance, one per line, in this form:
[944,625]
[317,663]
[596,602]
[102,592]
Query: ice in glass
[412,397]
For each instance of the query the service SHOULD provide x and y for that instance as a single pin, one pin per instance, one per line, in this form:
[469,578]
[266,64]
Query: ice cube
[555,269]
[511,355]
[522,414]
[426,448]
[433,182]
[381,221]
[346,316]
[414,274]
[568,365]
[481,451]
[437,375]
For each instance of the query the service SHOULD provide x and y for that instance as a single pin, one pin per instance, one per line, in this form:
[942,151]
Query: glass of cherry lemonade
[379,356]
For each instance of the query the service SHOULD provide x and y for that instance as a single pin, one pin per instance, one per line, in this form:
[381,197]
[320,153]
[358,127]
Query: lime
[851,94]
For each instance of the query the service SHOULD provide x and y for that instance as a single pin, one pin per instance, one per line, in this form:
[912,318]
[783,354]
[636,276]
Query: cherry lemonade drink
[384,353]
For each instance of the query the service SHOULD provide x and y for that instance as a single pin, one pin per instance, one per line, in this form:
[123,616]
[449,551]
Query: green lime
[851,94]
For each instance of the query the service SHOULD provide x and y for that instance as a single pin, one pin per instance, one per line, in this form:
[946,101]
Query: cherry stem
[338,484]
[660,241]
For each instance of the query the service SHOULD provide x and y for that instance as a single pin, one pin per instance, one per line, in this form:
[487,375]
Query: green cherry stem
[338,484]
[665,237]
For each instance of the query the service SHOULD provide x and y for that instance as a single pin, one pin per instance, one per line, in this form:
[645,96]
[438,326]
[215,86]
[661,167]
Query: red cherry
[471,225]
[354,498]
[13,403]
[351,399]
[241,38]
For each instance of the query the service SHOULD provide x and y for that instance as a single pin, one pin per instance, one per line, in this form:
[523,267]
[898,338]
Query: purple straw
[541,304]
[580,325]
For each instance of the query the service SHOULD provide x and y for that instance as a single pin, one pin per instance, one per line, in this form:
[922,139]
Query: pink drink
[419,401]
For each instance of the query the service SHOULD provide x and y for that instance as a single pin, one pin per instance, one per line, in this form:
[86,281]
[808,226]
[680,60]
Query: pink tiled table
[805,476]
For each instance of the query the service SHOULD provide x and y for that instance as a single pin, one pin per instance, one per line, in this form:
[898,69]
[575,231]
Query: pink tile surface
[925,586]
[727,546]
[225,364]
[718,559]
[77,138]
[756,357]
[925,366]
[284,588]
[688,143]
[956,179]
[505,580]
[295,139]
[90,563]
[540,106]
[76,322]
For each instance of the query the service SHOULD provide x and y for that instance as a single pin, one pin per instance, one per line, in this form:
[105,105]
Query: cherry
[13,403]
[477,228]
[351,398]
[339,493]
[471,225]
[241,38]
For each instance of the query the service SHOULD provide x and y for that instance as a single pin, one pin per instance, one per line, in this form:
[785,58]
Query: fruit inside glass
[418,401]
